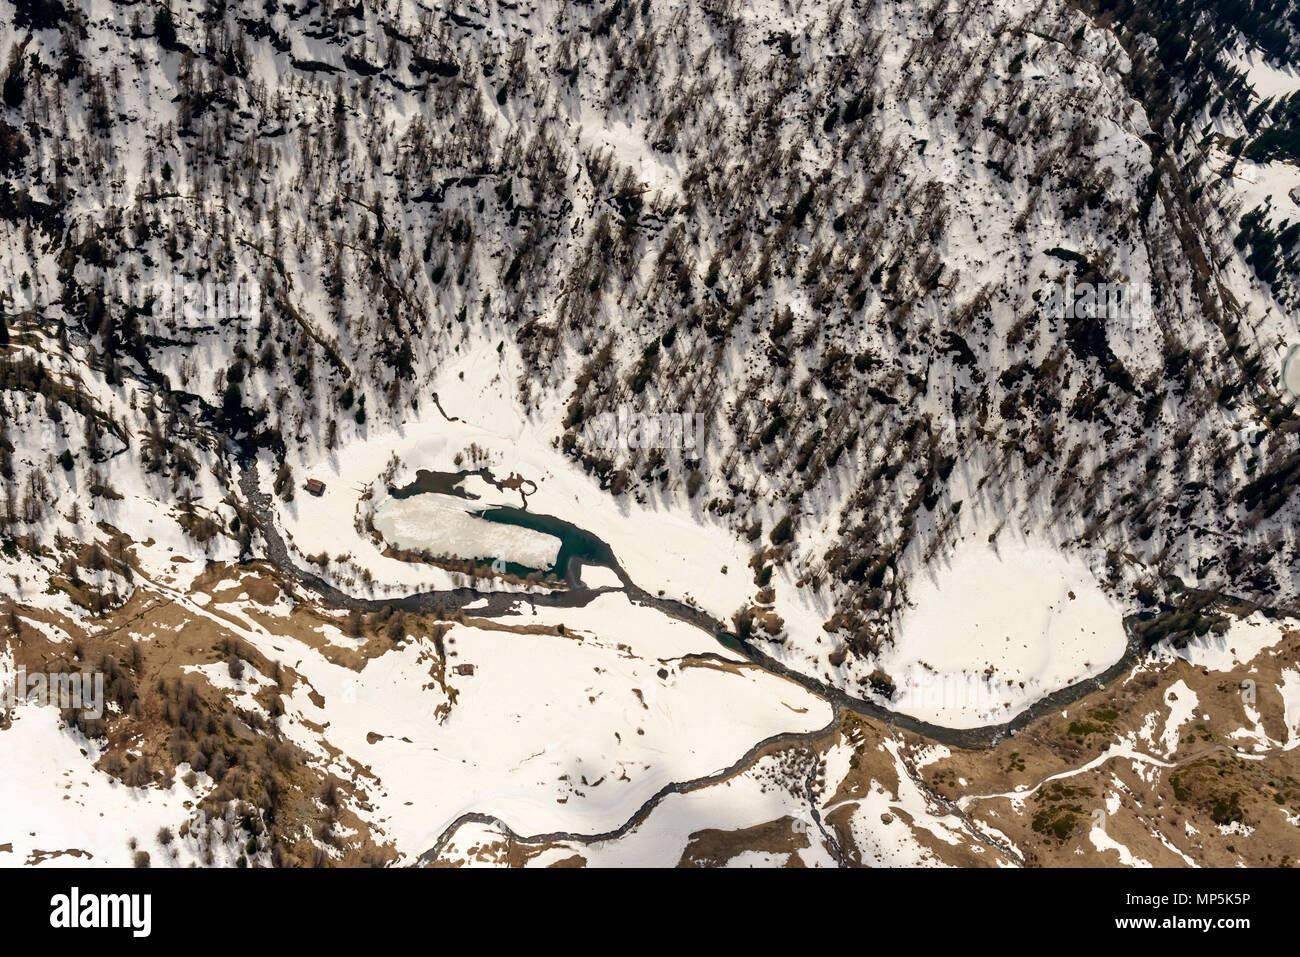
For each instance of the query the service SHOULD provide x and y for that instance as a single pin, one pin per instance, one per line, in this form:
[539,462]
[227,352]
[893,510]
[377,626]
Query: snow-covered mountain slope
[830,268]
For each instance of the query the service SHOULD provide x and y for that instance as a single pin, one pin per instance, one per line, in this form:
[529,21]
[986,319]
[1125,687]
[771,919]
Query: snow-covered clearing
[995,629]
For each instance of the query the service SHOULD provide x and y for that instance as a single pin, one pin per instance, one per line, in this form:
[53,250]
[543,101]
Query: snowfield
[994,629]
[552,732]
